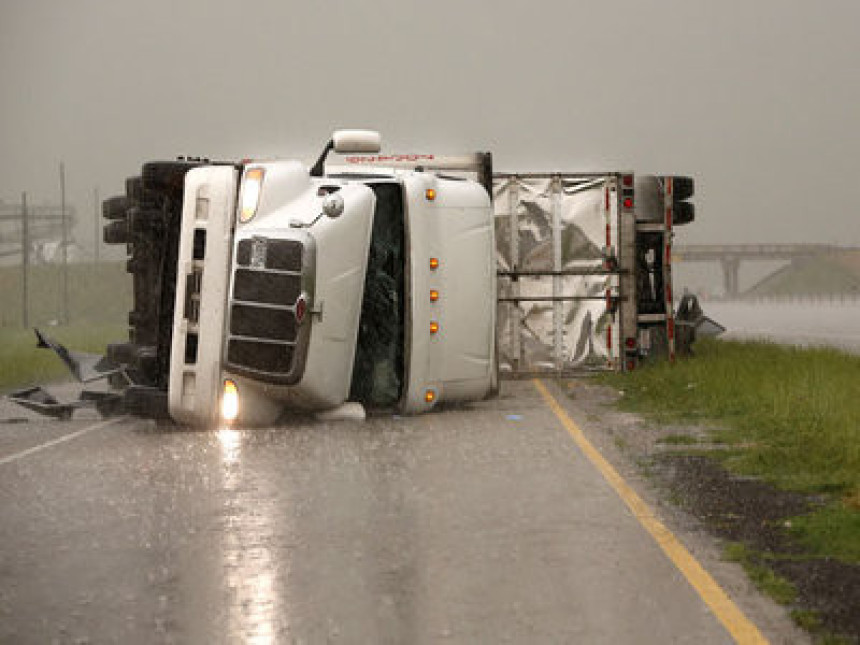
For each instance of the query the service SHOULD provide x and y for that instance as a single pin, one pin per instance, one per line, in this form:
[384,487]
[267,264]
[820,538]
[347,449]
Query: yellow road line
[732,618]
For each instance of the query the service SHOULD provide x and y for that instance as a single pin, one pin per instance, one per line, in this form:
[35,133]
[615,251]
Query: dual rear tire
[146,219]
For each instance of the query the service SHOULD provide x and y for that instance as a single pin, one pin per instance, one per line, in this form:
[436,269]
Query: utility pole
[96,228]
[64,315]
[25,261]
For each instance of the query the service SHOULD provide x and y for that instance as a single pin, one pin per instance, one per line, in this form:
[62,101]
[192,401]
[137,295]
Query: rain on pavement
[476,524]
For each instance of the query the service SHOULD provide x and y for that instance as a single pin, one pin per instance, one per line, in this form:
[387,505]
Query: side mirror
[348,142]
[356,141]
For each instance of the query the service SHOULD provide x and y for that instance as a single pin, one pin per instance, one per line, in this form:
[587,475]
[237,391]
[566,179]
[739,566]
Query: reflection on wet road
[482,524]
[250,567]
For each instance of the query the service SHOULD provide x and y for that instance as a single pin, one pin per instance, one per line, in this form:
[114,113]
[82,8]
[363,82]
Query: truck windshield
[377,376]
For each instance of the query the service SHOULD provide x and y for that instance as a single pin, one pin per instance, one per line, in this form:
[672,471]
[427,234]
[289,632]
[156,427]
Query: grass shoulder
[764,577]
[788,418]
[99,298]
[23,364]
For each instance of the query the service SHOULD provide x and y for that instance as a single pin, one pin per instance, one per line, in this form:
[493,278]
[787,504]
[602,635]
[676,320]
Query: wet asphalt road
[475,525]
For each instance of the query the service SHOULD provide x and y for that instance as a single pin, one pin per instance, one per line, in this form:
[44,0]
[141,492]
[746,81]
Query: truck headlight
[229,401]
[252,186]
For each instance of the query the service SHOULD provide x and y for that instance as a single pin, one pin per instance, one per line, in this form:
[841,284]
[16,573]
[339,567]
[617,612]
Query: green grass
[99,300]
[23,364]
[787,415]
[833,531]
[97,293]
[775,586]
[810,620]
[779,589]
[795,412]
[807,618]
[678,440]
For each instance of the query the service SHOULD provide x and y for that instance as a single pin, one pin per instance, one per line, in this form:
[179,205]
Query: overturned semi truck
[391,281]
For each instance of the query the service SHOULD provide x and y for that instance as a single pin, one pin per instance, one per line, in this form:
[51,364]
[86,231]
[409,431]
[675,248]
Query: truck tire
[682,187]
[117,232]
[143,221]
[115,207]
[134,189]
[167,176]
[148,402]
[135,264]
[147,219]
[683,213]
[136,219]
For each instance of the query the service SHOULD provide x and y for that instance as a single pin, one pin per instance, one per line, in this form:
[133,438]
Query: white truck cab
[299,289]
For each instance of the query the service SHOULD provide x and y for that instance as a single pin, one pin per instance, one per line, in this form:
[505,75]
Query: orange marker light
[434,295]
[430,194]
[434,263]
[429,396]
[434,327]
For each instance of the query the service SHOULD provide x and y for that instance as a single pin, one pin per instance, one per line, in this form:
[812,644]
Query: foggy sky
[760,101]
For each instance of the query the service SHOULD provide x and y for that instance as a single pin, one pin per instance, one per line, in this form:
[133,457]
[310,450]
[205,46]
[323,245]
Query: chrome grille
[265,287]
[262,322]
[281,255]
[263,332]
[272,358]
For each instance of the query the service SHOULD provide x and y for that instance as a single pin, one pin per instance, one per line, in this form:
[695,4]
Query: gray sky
[760,101]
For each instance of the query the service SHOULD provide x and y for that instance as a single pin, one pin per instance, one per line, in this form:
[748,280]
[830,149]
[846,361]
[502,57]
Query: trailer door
[556,247]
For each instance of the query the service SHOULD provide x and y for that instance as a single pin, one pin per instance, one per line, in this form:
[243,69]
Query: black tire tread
[147,219]
[683,213]
[116,232]
[682,187]
[115,207]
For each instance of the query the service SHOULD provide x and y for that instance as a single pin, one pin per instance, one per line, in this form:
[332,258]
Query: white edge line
[63,439]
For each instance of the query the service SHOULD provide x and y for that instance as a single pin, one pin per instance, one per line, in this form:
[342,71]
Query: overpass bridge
[730,256]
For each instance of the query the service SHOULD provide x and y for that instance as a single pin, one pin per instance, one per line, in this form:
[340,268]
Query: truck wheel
[144,221]
[683,213]
[117,232]
[682,187]
[135,219]
[115,207]
[148,402]
[147,219]
[134,189]
[167,176]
